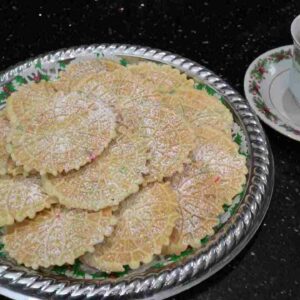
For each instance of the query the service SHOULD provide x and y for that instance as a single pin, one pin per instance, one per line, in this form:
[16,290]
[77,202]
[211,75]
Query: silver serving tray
[18,282]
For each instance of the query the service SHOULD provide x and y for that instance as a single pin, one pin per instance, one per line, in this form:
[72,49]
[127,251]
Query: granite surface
[222,35]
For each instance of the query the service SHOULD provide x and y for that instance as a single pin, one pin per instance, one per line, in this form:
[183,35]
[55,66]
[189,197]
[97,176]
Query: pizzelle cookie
[57,236]
[197,194]
[163,77]
[7,165]
[200,109]
[21,198]
[75,71]
[107,181]
[215,176]
[168,135]
[221,156]
[146,220]
[64,133]
[115,87]
[4,130]
[28,101]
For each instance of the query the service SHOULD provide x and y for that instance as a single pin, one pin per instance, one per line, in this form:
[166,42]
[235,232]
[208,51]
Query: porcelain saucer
[266,88]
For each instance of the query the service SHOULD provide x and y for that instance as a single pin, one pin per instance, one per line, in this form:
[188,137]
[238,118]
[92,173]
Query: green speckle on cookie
[123,170]
[19,127]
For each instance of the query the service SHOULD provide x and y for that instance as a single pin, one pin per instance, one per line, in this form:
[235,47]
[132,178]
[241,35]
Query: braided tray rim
[225,245]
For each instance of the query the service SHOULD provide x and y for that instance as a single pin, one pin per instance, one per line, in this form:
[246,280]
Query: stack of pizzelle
[113,165]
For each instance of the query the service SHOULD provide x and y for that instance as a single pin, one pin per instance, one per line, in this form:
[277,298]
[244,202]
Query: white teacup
[295,71]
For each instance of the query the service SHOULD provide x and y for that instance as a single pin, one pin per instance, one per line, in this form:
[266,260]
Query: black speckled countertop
[222,35]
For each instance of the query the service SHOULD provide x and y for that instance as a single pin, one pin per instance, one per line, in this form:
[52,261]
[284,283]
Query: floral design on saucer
[257,76]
